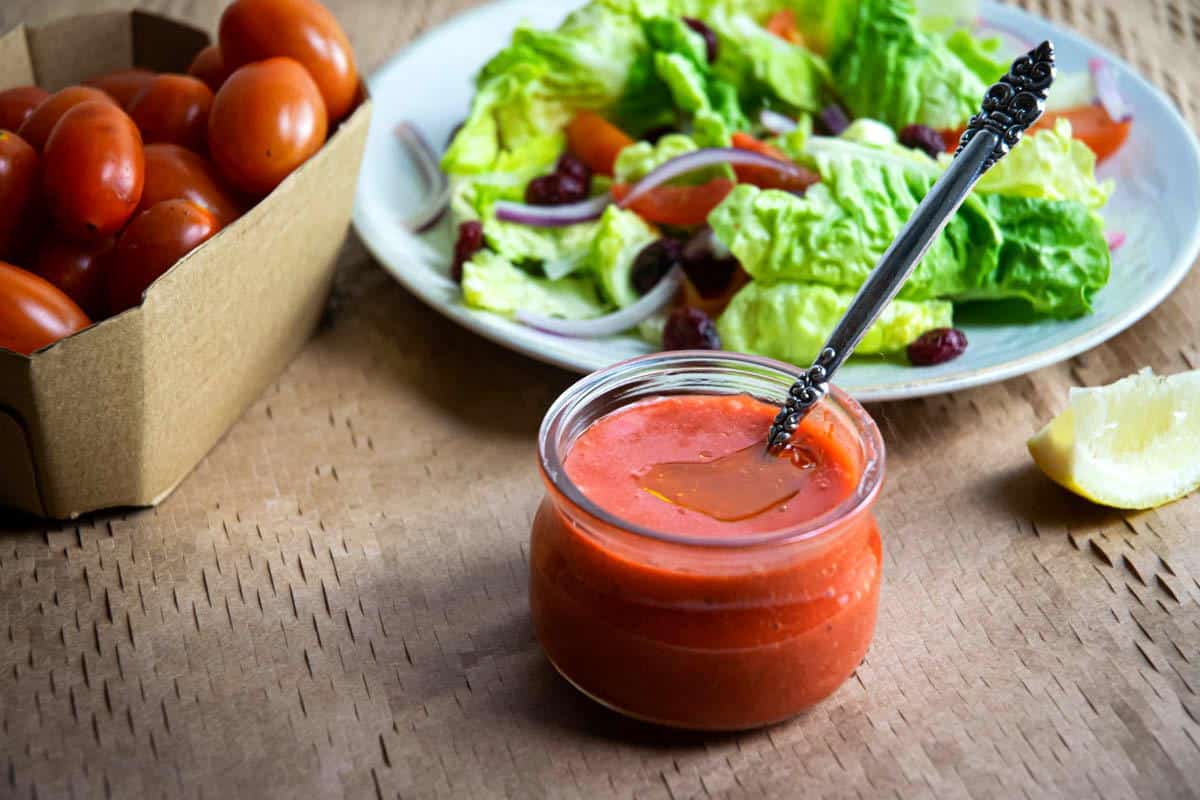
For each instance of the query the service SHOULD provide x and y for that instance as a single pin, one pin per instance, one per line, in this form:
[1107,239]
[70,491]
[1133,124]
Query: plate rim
[494,328]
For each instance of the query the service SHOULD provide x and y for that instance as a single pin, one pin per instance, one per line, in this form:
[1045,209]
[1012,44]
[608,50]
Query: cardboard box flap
[71,50]
[162,45]
[16,67]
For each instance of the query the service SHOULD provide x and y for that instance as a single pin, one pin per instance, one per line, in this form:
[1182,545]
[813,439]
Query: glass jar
[702,632]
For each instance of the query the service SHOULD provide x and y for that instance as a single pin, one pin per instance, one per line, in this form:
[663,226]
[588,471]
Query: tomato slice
[677,205]
[596,141]
[765,177]
[783,25]
[1089,124]
[1093,126]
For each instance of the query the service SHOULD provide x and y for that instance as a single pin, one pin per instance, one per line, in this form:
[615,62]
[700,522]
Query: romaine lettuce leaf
[491,282]
[621,235]
[557,251]
[531,87]
[766,70]
[791,321]
[1050,253]
[888,68]
[1051,165]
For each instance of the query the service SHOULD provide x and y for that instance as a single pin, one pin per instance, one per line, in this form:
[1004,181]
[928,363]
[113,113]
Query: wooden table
[334,602]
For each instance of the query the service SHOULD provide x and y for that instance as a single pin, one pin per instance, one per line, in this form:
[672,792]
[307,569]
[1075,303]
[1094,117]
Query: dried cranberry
[937,347]
[569,164]
[655,260]
[711,44]
[711,276]
[923,138]
[555,190]
[690,328]
[470,242]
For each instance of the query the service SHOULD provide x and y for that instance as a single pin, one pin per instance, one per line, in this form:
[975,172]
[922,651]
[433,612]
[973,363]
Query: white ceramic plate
[1157,206]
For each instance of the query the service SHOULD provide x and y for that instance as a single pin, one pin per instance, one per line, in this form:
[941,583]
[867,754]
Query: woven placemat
[334,603]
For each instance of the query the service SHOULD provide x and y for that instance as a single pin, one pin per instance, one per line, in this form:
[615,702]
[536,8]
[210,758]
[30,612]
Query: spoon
[1009,108]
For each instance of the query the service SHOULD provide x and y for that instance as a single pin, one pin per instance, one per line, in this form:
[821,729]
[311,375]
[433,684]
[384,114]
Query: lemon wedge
[1132,444]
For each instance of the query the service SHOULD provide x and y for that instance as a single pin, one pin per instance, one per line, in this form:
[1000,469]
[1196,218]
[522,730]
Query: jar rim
[551,460]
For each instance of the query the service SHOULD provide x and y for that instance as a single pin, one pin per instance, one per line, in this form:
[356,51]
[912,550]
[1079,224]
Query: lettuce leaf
[1051,165]
[791,321]
[491,282]
[1050,253]
[531,87]
[888,68]
[621,235]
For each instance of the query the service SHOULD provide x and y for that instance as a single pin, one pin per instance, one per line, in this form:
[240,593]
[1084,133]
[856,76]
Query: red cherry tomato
[267,120]
[253,30]
[176,173]
[33,313]
[122,85]
[38,127]
[596,141]
[18,191]
[77,268]
[209,66]
[151,245]
[93,170]
[173,109]
[677,205]
[16,105]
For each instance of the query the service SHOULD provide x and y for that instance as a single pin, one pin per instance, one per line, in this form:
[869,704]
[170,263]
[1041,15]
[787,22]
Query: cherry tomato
[151,245]
[122,85]
[16,105]
[253,30]
[209,66]
[173,109]
[176,173]
[93,171]
[40,124]
[596,141]
[1093,126]
[267,120]
[18,190]
[33,313]
[677,205]
[77,268]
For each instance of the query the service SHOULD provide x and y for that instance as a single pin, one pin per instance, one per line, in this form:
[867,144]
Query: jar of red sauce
[674,616]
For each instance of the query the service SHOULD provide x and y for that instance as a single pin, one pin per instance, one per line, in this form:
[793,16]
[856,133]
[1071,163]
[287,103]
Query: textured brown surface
[334,602]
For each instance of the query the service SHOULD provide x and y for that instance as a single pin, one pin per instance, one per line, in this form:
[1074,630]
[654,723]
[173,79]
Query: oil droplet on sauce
[737,486]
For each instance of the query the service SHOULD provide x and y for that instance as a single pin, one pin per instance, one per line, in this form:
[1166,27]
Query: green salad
[686,171]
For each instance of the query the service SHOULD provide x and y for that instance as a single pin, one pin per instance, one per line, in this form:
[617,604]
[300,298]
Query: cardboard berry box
[119,413]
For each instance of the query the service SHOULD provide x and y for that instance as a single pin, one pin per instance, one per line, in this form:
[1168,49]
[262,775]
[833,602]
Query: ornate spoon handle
[1009,108]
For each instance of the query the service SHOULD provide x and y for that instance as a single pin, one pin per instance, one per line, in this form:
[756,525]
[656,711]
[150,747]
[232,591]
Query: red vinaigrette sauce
[683,575]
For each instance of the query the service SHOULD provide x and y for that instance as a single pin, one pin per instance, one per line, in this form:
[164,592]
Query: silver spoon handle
[1009,108]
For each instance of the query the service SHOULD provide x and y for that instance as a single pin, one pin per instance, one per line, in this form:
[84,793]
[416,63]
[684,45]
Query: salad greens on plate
[741,165]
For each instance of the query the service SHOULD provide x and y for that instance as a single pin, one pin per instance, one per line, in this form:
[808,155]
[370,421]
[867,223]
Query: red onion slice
[437,186]
[1107,92]
[703,159]
[1115,239]
[552,216]
[776,123]
[619,321]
